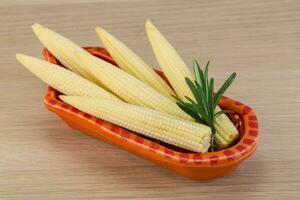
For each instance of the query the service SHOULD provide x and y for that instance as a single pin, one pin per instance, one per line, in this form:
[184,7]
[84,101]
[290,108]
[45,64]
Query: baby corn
[62,48]
[106,75]
[128,87]
[169,61]
[132,63]
[63,80]
[176,71]
[226,131]
[161,126]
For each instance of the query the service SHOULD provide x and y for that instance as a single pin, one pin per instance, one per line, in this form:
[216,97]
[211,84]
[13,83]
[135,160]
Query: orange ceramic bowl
[194,165]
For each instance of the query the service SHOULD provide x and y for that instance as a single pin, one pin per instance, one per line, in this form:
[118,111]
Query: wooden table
[42,158]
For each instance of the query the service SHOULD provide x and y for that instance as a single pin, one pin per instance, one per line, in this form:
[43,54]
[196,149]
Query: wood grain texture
[42,158]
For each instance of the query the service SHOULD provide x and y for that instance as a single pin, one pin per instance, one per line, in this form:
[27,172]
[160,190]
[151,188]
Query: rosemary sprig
[202,109]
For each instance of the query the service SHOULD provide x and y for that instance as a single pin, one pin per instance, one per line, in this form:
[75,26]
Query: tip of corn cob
[37,28]
[149,24]
[100,30]
[104,34]
[63,80]
[18,55]
[24,59]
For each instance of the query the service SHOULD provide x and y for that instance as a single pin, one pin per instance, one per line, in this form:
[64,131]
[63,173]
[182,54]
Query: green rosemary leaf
[201,98]
[197,71]
[210,97]
[188,110]
[190,100]
[224,87]
[206,69]
[202,113]
[206,78]
[176,97]
[200,120]
[197,114]
[204,104]
[217,114]
[192,87]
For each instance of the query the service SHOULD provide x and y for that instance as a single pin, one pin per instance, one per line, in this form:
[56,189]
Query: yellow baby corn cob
[132,63]
[170,62]
[127,86]
[226,130]
[61,47]
[158,125]
[63,80]
[176,71]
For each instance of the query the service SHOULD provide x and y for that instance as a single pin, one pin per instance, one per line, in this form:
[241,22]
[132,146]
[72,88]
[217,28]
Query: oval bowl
[194,165]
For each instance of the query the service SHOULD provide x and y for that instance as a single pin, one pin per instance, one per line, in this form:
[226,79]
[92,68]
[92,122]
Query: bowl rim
[241,150]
